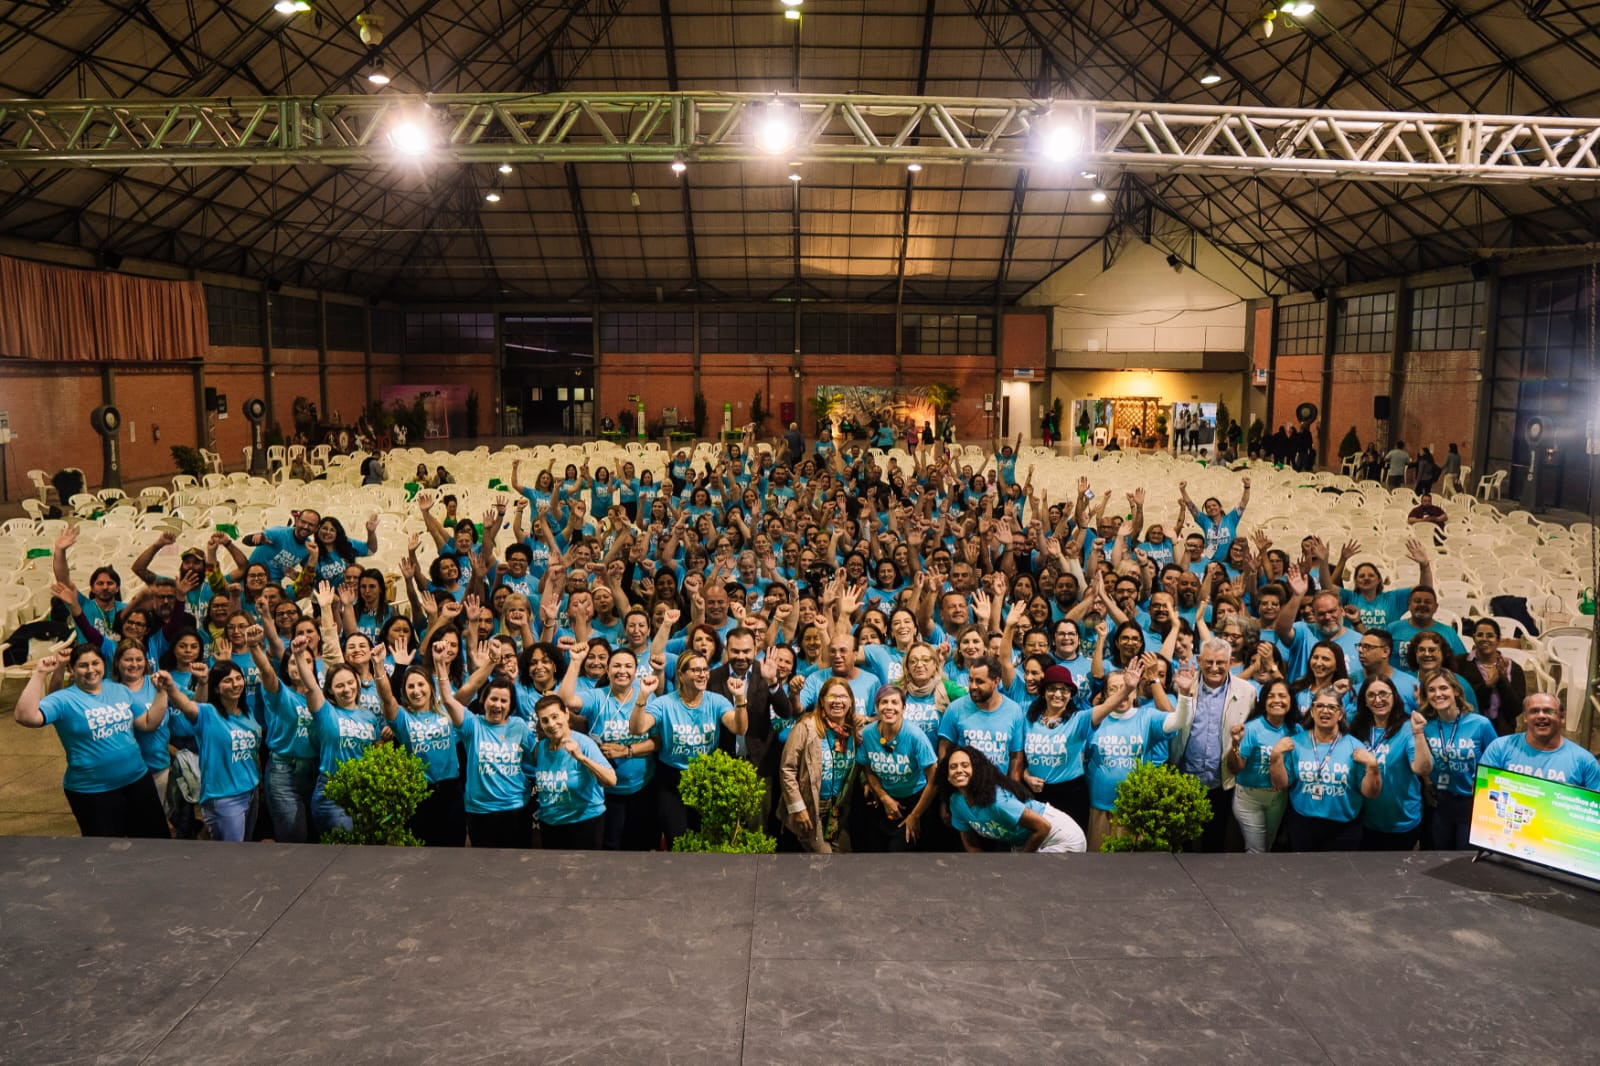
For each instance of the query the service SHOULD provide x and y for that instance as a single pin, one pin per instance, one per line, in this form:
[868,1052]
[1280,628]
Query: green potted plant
[189,461]
[472,412]
[727,794]
[1158,808]
[1161,428]
[1224,424]
[380,791]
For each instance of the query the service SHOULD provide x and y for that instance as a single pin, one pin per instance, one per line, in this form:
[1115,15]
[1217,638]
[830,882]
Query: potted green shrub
[189,461]
[380,791]
[1158,808]
[727,794]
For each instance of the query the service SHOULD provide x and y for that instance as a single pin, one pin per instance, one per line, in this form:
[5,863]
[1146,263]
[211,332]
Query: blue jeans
[326,814]
[230,817]
[288,788]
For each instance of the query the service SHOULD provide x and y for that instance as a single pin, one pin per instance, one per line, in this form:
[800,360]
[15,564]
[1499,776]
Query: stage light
[1298,8]
[1210,76]
[777,128]
[377,75]
[1059,140]
[792,14]
[411,137]
[678,165]
[505,168]
[1098,196]
[291,7]
[492,197]
[791,3]
[1261,26]
[794,175]
[915,168]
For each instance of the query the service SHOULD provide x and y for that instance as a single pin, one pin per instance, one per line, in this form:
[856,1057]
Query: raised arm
[141,565]
[43,678]
[641,721]
[176,697]
[58,556]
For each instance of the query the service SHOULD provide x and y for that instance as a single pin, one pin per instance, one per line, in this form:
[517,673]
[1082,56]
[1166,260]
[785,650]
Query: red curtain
[57,314]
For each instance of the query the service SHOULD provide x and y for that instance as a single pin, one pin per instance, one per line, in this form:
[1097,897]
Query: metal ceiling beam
[722,127]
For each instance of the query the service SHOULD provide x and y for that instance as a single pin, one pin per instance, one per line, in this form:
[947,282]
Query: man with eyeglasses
[1327,623]
[1374,651]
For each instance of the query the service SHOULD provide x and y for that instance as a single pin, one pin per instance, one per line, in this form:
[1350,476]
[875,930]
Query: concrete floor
[146,951]
[31,764]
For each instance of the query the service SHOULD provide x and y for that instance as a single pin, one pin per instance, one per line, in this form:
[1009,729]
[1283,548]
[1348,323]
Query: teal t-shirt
[838,756]
[230,747]
[922,712]
[1457,747]
[495,779]
[342,735]
[153,745]
[998,733]
[288,724]
[1056,755]
[432,738]
[96,732]
[1121,743]
[1398,808]
[1255,749]
[1325,779]
[567,791]
[1569,764]
[686,732]
[1000,820]
[902,766]
[1381,611]
[608,724]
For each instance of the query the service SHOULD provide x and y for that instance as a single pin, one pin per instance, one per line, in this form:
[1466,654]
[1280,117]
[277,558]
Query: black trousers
[871,830]
[1070,797]
[631,821]
[501,829]
[574,836]
[130,811]
[1373,840]
[441,821]
[1214,837]
[674,818]
[1323,834]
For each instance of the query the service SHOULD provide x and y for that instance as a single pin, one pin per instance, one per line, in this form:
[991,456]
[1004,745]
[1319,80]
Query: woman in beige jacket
[817,759]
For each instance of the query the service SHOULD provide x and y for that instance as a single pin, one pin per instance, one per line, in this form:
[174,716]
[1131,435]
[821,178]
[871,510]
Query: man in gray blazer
[1221,702]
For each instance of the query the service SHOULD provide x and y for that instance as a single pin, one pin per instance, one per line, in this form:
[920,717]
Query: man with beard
[1327,623]
[1423,604]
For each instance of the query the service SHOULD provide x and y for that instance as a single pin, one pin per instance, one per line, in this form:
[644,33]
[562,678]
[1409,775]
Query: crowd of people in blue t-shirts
[930,656]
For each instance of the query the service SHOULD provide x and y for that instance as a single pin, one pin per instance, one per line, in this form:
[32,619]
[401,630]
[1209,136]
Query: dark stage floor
[206,953]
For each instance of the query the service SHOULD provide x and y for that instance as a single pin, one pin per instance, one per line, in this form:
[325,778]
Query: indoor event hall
[788,531]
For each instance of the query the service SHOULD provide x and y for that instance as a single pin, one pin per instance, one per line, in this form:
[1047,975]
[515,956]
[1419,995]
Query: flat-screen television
[1538,821]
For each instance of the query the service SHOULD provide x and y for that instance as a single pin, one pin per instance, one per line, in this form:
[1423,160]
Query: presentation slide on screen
[1539,821]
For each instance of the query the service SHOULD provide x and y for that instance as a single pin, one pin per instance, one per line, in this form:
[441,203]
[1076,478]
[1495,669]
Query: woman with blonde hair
[926,692]
[816,764]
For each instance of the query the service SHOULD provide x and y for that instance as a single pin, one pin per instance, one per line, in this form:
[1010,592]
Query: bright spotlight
[493,197]
[1303,9]
[289,7]
[792,14]
[410,137]
[678,165]
[794,175]
[377,75]
[777,128]
[791,3]
[915,168]
[1059,140]
[1210,76]
[1098,196]
[505,168]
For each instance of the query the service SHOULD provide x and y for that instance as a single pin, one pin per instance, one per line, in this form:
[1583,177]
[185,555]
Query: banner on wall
[444,407]
[1537,821]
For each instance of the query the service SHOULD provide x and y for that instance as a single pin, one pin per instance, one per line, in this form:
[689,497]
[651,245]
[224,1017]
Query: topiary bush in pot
[1158,808]
[380,791]
[727,794]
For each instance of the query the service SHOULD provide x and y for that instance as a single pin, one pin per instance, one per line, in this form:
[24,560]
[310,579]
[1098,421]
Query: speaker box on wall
[1380,408]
